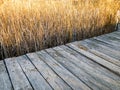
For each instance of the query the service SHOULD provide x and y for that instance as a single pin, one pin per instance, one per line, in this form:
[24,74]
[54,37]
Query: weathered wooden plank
[98,45]
[5,83]
[17,76]
[114,35]
[117,33]
[54,80]
[78,72]
[106,50]
[106,57]
[97,59]
[91,63]
[95,73]
[103,51]
[35,78]
[68,77]
[105,44]
[109,40]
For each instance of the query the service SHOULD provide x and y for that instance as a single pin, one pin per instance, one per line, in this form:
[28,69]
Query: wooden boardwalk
[91,64]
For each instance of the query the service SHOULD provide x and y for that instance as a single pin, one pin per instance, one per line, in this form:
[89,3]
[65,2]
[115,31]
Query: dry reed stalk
[31,25]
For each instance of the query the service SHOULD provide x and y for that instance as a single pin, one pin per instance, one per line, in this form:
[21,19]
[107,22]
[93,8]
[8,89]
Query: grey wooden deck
[91,64]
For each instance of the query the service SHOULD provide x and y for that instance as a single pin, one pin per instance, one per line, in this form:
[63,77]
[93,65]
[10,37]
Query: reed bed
[32,25]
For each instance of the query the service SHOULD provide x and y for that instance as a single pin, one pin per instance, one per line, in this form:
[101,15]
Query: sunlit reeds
[31,25]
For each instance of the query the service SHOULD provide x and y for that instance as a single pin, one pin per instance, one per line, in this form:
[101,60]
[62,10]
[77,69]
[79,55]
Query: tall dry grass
[31,25]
